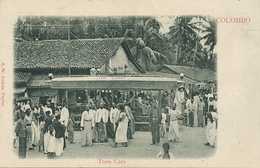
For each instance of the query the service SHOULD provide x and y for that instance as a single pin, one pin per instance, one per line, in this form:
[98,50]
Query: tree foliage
[189,42]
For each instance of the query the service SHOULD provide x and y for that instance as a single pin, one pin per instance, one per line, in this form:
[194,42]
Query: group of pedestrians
[159,122]
[100,124]
[43,128]
[198,110]
[201,110]
[49,130]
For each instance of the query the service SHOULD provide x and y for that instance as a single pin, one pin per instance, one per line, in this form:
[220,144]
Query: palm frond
[161,56]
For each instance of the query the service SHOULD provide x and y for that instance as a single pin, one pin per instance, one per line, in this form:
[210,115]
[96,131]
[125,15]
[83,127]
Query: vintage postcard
[129,83]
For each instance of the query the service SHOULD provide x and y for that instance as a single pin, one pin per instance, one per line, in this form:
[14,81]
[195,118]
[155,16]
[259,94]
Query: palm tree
[145,28]
[148,58]
[211,39]
[140,41]
[183,34]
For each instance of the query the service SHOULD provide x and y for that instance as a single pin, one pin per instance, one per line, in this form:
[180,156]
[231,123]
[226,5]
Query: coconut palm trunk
[177,52]
[195,53]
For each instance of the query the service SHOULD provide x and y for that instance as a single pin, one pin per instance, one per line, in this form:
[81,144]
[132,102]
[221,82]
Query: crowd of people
[50,128]
[40,126]
[194,110]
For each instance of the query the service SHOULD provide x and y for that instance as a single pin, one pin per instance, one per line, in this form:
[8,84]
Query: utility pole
[69,44]
[196,46]
[195,52]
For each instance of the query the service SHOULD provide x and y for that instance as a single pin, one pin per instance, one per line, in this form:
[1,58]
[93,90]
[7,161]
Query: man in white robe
[179,98]
[64,117]
[174,134]
[87,124]
[195,106]
[121,131]
[211,130]
[163,124]
[48,122]
[188,109]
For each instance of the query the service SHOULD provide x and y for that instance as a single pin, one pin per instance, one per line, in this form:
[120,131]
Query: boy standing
[51,143]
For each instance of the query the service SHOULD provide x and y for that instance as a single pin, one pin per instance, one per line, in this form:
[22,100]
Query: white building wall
[119,63]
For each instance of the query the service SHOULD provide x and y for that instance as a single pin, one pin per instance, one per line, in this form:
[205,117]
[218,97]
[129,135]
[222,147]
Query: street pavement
[191,145]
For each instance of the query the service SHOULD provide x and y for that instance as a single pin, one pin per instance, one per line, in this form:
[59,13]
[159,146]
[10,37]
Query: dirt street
[191,145]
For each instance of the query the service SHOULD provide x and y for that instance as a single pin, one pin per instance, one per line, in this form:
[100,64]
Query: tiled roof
[84,53]
[22,77]
[201,75]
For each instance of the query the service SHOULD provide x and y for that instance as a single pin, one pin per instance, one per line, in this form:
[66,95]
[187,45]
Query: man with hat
[180,98]
[102,119]
[21,133]
[87,124]
[155,120]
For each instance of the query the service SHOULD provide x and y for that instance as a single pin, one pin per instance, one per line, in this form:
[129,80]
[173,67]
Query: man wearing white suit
[87,124]
[102,119]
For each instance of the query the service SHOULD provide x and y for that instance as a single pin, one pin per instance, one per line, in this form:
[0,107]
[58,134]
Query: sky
[166,22]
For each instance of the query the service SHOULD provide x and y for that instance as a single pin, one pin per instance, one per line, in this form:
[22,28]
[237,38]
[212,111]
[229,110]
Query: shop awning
[19,90]
[176,76]
[42,92]
[42,80]
[22,99]
[197,74]
[22,77]
[114,83]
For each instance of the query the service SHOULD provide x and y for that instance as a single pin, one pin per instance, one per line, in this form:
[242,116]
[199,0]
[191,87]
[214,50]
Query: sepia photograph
[106,87]
[141,83]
